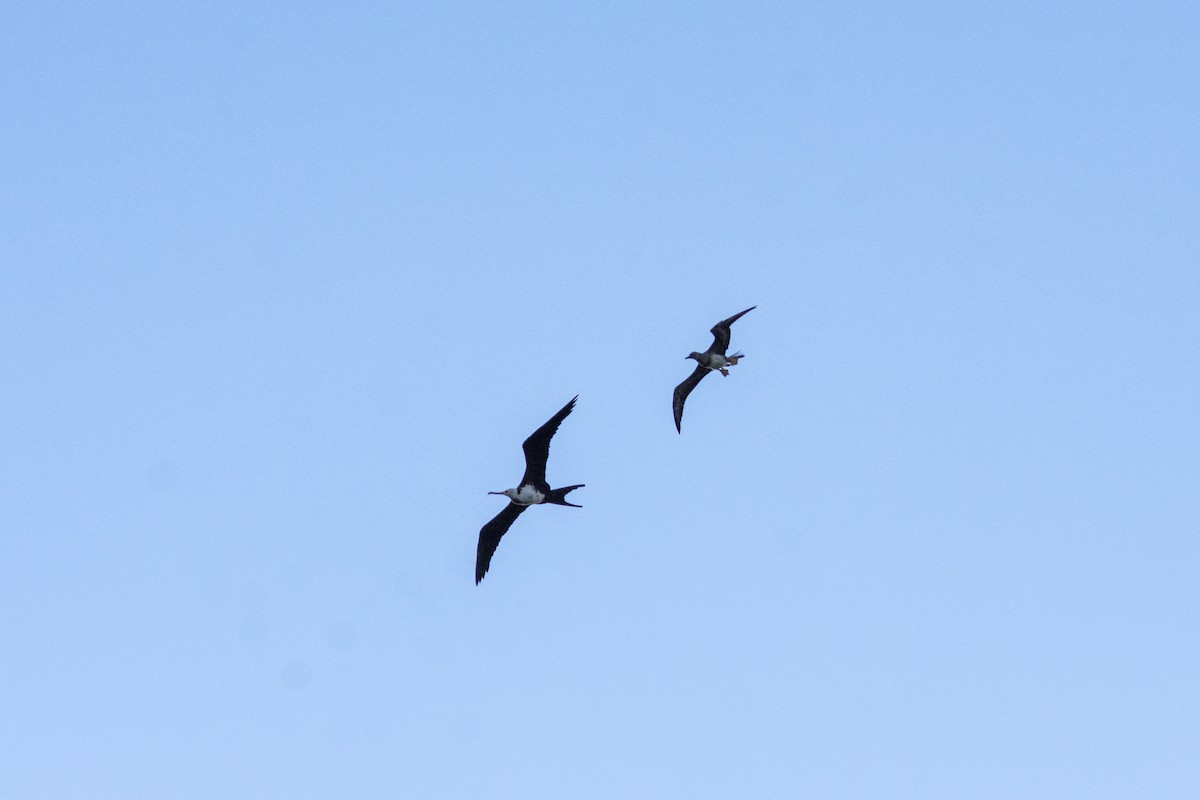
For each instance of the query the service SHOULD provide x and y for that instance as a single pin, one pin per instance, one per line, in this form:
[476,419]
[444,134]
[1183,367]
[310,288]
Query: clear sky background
[284,286]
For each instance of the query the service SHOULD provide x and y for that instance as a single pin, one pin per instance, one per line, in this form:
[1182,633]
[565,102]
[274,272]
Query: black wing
[489,537]
[720,332]
[537,447]
[684,389]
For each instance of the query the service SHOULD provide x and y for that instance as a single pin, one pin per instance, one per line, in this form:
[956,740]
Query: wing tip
[568,408]
[741,314]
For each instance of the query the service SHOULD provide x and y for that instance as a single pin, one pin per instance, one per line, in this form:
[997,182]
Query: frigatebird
[531,491]
[713,358]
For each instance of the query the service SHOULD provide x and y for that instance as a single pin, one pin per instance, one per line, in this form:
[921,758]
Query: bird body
[715,361]
[525,495]
[711,360]
[531,491]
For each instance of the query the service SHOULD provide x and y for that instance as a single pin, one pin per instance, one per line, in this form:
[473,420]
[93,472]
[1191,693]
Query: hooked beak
[495,492]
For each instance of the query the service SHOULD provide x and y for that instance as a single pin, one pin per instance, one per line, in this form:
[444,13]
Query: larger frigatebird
[531,491]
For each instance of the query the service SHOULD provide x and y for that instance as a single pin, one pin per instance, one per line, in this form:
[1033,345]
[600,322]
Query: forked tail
[559,496]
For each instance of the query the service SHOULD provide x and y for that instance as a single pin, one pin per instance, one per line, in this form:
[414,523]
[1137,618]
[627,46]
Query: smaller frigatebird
[713,358]
[531,491]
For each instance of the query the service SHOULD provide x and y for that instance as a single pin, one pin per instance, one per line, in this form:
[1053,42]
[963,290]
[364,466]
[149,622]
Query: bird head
[509,493]
[692,355]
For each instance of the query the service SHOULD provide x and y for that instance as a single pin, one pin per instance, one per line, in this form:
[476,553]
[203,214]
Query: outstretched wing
[537,446]
[489,537]
[720,332]
[683,390]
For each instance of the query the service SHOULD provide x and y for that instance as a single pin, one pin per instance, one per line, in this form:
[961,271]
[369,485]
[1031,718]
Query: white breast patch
[527,496]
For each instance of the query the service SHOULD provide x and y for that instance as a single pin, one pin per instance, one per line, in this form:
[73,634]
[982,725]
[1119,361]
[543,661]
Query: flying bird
[531,491]
[713,358]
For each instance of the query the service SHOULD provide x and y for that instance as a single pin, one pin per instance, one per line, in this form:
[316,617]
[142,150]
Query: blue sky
[283,288]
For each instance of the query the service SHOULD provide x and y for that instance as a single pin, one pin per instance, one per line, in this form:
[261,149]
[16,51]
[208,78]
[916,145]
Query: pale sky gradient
[284,286]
